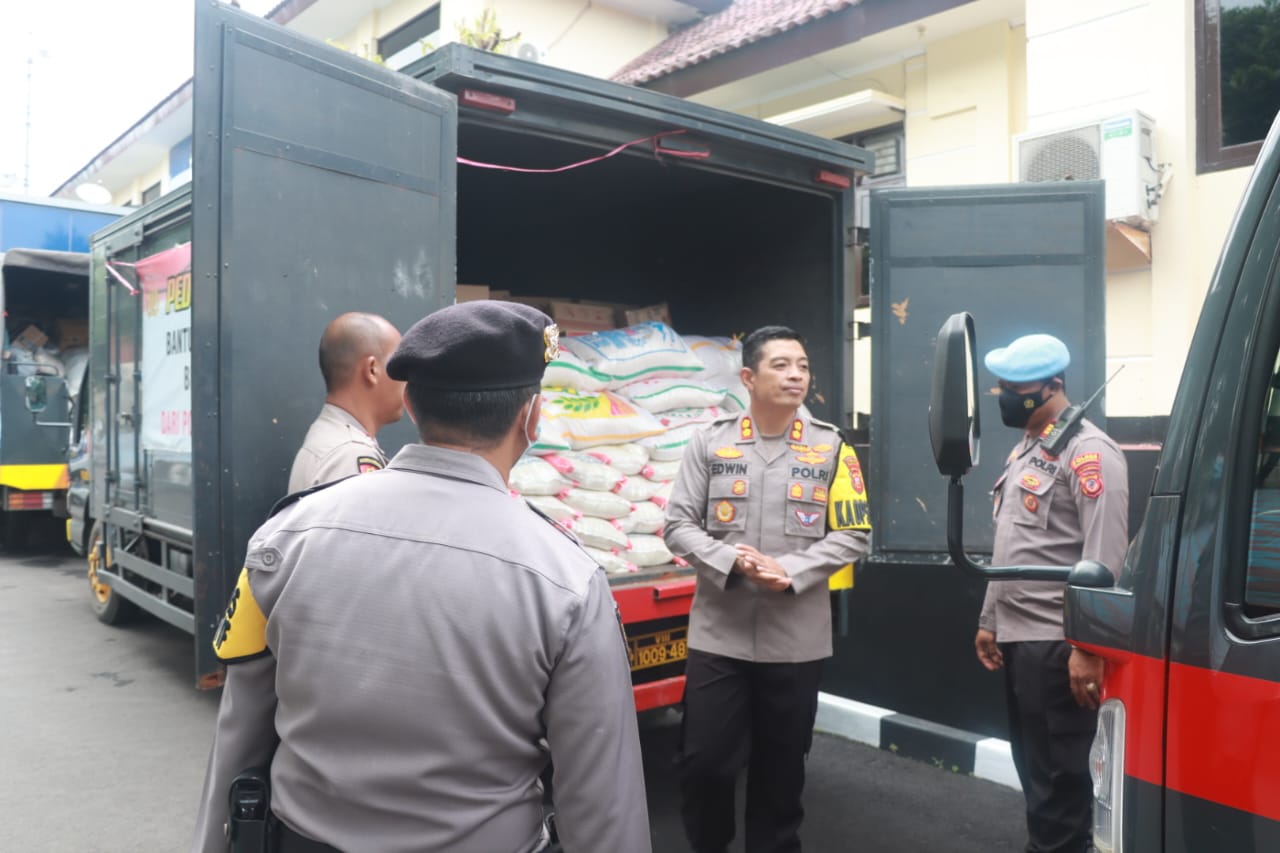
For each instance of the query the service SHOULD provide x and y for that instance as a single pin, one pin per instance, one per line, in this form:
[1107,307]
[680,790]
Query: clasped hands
[759,569]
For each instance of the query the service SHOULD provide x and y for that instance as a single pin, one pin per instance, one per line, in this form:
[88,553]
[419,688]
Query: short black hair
[753,345]
[459,416]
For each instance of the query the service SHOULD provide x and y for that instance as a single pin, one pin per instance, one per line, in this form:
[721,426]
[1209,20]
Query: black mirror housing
[954,429]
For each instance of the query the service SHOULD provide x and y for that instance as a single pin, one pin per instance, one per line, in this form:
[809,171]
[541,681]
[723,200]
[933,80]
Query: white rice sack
[609,561]
[551,434]
[648,550]
[627,458]
[663,394]
[637,352]
[663,495]
[661,472]
[625,524]
[532,476]
[718,355]
[569,371]
[597,533]
[599,418]
[637,489]
[597,504]
[722,358]
[690,416]
[670,446]
[647,517]
[553,508]
[587,471]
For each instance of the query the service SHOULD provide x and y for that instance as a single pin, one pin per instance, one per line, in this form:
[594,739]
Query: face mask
[1016,409]
[537,433]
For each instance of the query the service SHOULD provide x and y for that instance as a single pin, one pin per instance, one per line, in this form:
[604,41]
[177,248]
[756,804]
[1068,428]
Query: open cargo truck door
[322,183]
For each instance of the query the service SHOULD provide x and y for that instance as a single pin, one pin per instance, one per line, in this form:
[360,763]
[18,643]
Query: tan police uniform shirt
[336,446]
[1054,511]
[733,488]
[424,632]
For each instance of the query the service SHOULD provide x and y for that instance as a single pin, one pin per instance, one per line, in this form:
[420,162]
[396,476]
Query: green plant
[484,33]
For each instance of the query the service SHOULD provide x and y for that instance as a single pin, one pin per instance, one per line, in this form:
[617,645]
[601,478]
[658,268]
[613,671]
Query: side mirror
[954,432]
[37,394]
[954,428]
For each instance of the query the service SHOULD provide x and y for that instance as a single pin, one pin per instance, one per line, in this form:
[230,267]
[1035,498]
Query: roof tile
[742,23]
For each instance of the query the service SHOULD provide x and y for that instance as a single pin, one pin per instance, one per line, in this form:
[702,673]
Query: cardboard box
[471,292]
[576,317]
[542,303]
[500,294]
[31,338]
[73,333]
[660,313]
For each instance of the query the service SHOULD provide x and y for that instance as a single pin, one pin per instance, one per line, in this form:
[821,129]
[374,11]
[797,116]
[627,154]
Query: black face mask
[1016,409]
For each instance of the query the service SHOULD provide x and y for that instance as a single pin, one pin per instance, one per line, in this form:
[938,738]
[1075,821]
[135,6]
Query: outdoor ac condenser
[1119,149]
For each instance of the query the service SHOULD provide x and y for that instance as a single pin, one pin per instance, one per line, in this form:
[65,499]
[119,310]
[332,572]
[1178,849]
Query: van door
[322,183]
[1222,774]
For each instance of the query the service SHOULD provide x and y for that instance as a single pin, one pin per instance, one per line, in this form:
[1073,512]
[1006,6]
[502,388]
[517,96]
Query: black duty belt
[289,841]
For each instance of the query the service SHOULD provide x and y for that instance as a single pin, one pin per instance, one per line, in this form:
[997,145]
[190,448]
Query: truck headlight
[1106,767]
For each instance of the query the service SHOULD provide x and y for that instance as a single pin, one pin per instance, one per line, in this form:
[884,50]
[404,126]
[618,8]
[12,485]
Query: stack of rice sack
[618,409]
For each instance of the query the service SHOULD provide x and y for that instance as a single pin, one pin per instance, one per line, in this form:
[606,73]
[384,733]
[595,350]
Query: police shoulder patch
[365,464]
[242,633]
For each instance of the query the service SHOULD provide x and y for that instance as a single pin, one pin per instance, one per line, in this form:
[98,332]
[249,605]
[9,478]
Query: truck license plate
[656,649]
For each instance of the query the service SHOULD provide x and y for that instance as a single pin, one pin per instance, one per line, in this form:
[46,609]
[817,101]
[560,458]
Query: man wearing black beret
[405,645]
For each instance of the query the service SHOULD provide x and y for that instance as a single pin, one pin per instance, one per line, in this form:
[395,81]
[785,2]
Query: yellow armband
[242,634]
[847,507]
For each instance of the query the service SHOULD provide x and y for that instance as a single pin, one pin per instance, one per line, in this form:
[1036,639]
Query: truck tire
[110,607]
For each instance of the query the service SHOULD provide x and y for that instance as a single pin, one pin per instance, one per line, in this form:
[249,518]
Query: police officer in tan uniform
[409,648]
[1049,511]
[360,399]
[749,512]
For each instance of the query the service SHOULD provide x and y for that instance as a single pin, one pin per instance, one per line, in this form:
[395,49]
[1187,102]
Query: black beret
[485,345]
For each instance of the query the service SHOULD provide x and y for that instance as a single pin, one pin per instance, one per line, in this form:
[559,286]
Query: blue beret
[1029,359]
[485,345]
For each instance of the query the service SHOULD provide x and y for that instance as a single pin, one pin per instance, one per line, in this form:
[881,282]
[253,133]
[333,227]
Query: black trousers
[742,714]
[1050,735]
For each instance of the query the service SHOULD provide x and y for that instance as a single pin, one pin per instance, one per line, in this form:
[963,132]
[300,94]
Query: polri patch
[820,494]
[725,512]
[1091,485]
[808,519]
[1031,503]
[729,453]
[1030,481]
[796,492]
[739,487]
[365,464]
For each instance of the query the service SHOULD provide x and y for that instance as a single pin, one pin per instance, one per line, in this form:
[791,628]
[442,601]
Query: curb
[943,746]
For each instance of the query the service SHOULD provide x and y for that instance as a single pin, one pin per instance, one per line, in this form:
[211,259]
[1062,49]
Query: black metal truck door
[1021,258]
[323,183]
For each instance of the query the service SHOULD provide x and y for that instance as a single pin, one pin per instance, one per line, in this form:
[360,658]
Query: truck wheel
[110,607]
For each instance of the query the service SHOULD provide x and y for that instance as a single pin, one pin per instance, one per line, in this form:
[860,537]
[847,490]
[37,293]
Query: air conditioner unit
[1119,149]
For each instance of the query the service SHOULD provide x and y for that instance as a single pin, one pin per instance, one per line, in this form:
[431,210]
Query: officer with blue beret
[1049,511]
[407,649]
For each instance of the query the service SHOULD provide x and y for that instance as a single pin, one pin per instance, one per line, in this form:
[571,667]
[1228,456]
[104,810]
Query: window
[1262,581]
[1237,80]
[151,193]
[412,40]
[887,143]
